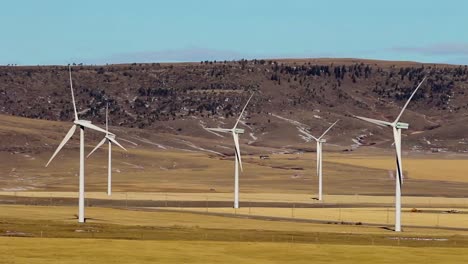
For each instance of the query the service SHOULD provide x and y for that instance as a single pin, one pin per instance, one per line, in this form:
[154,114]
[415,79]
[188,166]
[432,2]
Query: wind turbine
[110,138]
[320,141]
[396,127]
[238,162]
[82,124]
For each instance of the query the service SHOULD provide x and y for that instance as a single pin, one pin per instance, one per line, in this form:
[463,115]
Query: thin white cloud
[458,60]
[446,49]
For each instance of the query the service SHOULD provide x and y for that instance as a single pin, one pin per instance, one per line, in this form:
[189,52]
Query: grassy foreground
[37,250]
[42,234]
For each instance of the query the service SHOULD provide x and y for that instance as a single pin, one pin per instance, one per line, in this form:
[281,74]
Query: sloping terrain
[293,98]
[165,162]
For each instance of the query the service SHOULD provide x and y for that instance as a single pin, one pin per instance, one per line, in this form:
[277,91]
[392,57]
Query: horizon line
[318,59]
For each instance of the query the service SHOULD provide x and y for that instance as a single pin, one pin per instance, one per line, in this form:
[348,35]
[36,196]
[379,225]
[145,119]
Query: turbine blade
[224,130]
[374,121]
[245,106]
[91,126]
[64,141]
[396,137]
[117,143]
[238,155]
[107,118]
[97,146]
[409,99]
[73,96]
[328,129]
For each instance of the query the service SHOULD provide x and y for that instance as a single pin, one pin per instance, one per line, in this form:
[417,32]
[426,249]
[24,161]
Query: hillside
[165,162]
[292,99]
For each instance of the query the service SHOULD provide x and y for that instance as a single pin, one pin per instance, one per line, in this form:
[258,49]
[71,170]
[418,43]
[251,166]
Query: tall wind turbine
[110,138]
[82,124]
[396,127]
[238,162]
[320,141]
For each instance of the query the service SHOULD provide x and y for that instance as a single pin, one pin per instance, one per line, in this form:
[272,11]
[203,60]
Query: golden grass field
[66,250]
[427,168]
[247,198]
[124,236]
[162,219]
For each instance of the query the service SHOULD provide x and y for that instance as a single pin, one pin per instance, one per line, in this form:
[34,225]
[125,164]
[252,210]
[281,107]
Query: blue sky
[99,32]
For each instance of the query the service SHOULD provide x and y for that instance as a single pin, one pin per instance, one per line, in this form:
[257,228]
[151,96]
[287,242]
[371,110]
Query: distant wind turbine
[396,127]
[320,141]
[110,138]
[238,162]
[82,124]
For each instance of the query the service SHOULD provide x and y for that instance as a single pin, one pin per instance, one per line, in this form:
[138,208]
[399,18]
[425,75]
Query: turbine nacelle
[401,125]
[81,121]
[239,131]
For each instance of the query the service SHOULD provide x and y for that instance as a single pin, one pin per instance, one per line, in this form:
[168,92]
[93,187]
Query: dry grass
[47,251]
[433,217]
[123,236]
[183,218]
[246,198]
[417,168]
[171,171]
[163,219]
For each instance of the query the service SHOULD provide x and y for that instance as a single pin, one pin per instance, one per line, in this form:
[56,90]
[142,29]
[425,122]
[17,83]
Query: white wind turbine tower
[238,162]
[110,138]
[82,124]
[320,142]
[396,127]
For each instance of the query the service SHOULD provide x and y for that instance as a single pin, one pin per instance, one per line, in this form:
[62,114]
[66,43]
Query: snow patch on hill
[190,144]
[302,128]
